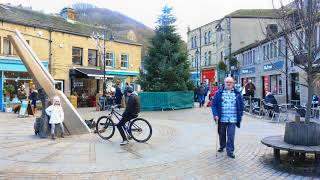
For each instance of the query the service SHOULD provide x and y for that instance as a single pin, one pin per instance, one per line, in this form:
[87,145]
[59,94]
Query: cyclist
[132,110]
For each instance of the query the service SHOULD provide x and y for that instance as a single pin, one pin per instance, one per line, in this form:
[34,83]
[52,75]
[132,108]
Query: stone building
[215,41]
[66,48]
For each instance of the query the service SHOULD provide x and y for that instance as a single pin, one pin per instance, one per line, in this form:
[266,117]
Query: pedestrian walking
[56,114]
[201,95]
[118,95]
[227,109]
[250,88]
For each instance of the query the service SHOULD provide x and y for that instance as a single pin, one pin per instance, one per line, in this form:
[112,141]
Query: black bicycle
[138,129]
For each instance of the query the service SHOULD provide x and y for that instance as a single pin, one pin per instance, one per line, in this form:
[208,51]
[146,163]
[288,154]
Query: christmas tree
[166,65]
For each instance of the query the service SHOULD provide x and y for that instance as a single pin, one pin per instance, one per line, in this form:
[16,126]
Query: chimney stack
[272,30]
[68,14]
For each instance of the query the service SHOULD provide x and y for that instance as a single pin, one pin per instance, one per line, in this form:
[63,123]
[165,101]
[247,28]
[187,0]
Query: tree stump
[303,134]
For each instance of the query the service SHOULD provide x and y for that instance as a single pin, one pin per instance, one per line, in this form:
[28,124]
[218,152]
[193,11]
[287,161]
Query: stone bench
[277,143]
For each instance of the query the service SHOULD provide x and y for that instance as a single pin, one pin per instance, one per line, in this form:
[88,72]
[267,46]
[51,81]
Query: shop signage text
[273,66]
[248,70]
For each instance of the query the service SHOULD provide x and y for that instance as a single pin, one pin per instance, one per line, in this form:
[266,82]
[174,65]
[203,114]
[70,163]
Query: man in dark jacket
[118,95]
[132,111]
[201,94]
[227,109]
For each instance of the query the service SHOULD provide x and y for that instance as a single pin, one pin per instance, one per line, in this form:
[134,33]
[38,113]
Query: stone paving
[182,147]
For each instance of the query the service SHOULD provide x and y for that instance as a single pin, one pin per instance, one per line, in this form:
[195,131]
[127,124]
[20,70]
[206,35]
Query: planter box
[153,101]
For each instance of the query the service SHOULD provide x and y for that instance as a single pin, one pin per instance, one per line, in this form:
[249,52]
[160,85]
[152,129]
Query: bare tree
[298,24]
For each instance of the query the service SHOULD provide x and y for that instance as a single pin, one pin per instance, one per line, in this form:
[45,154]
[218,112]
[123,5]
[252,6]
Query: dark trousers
[226,136]
[121,124]
[201,100]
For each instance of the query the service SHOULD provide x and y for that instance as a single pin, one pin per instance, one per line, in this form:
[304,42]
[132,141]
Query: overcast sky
[191,13]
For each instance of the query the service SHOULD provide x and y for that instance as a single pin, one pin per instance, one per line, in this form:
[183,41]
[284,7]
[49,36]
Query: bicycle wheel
[105,127]
[140,130]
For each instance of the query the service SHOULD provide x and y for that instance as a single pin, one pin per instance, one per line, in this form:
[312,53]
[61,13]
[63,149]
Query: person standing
[250,88]
[213,91]
[33,97]
[125,92]
[118,95]
[56,114]
[227,109]
[201,95]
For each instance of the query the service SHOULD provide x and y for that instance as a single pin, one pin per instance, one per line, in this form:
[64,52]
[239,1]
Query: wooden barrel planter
[303,134]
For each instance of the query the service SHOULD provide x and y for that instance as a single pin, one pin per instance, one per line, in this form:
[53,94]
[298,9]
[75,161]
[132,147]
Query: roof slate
[254,13]
[31,18]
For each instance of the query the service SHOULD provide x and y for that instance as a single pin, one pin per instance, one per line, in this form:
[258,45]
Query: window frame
[109,59]
[126,61]
[9,44]
[81,56]
[96,57]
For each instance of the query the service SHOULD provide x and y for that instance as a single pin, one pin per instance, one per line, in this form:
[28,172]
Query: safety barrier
[153,101]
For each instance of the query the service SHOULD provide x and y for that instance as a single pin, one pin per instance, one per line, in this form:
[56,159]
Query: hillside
[116,21]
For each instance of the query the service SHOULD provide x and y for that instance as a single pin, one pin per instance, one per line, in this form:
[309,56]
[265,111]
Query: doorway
[295,87]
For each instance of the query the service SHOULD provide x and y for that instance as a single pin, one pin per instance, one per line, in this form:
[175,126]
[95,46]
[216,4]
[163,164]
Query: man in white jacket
[56,114]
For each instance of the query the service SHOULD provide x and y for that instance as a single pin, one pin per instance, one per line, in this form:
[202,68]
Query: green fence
[151,101]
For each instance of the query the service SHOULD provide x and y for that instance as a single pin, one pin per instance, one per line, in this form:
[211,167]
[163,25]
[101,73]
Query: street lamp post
[101,46]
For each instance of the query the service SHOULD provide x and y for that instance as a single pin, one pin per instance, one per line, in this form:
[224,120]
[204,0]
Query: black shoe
[231,155]
[220,150]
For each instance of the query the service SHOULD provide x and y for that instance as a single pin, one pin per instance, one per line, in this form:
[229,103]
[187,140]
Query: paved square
[182,147]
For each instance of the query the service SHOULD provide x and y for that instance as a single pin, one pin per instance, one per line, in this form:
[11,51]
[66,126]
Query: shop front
[247,74]
[208,76]
[273,80]
[86,84]
[15,81]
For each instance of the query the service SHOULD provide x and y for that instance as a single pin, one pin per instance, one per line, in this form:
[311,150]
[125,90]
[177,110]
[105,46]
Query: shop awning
[92,73]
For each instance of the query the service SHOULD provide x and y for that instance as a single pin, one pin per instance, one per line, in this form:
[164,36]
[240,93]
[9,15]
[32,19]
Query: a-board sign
[23,109]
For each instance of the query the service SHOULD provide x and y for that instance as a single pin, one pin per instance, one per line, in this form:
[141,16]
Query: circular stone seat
[277,143]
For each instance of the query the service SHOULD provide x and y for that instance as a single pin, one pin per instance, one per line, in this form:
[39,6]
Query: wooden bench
[277,143]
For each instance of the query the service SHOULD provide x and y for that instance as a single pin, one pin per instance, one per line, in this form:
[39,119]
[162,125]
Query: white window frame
[108,59]
[126,61]
[58,81]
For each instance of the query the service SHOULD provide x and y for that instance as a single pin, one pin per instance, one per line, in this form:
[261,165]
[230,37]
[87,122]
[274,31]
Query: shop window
[59,85]
[124,61]
[276,84]
[92,57]
[6,46]
[77,55]
[109,59]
